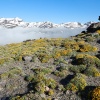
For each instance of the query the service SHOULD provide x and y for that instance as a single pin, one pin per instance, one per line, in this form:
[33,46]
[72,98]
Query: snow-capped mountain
[89,23]
[73,25]
[17,22]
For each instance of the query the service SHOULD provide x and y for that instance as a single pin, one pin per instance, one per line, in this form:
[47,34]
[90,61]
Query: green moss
[89,39]
[42,70]
[29,78]
[78,83]
[88,60]
[3,60]
[51,83]
[39,82]
[44,57]
[50,92]
[92,71]
[10,73]
[60,74]
[40,87]
[38,77]
[77,69]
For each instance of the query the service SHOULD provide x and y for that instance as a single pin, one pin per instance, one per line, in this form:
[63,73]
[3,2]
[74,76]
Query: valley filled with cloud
[19,34]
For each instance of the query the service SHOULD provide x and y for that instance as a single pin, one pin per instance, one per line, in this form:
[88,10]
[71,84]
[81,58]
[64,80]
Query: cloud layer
[20,34]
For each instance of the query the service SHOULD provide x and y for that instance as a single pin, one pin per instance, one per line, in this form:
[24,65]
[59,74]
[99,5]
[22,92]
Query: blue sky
[57,11]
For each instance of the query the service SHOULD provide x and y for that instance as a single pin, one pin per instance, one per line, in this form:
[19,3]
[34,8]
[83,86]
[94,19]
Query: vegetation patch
[11,73]
[88,60]
[95,94]
[78,83]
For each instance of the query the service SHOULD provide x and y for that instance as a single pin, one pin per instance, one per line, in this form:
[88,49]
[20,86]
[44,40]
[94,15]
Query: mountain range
[17,22]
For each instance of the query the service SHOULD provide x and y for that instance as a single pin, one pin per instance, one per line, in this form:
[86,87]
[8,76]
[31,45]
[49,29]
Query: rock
[47,88]
[27,40]
[95,34]
[67,92]
[83,32]
[1,88]
[51,61]
[60,87]
[27,58]
[93,27]
[35,59]
[43,95]
[54,99]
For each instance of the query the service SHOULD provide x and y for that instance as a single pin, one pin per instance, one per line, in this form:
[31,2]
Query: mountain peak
[18,22]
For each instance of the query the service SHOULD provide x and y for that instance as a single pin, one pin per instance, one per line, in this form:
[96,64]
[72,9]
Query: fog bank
[20,34]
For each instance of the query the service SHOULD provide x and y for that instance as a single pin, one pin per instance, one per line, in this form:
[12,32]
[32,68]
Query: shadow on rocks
[4,98]
[66,80]
[85,93]
[74,62]
[98,55]
[98,41]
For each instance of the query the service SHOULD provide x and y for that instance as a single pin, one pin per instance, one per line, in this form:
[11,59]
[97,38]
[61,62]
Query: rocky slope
[52,69]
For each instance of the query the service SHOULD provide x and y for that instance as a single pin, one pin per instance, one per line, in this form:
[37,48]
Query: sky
[56,11]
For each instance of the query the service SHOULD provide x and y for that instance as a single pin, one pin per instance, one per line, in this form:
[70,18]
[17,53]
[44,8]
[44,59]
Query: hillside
[52,69]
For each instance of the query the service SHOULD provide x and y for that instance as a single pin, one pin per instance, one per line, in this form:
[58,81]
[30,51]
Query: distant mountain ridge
[17,22]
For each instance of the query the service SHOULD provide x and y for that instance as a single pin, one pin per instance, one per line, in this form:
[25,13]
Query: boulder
[93,27]
[27,58]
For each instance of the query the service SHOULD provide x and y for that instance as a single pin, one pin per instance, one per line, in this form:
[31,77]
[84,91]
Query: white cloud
[20,34]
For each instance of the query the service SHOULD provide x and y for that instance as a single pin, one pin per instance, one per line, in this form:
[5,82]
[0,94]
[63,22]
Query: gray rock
[96,25]
[93,27]
[27,58]
[95,34]
[54,99]
[67,92]
[1,88]
[43,95]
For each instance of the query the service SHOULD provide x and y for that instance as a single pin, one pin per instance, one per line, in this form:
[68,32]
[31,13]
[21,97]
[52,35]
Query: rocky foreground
[52,69]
